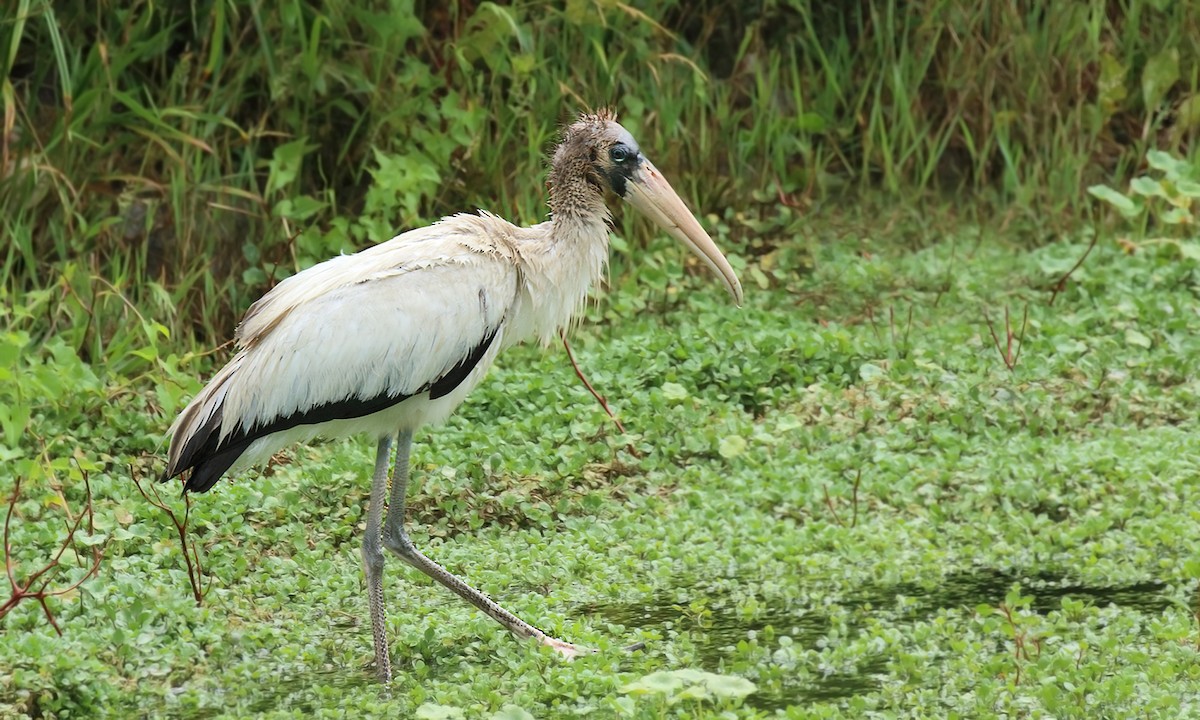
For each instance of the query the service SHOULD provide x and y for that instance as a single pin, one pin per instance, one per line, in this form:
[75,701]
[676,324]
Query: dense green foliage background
[844,492]
[190,153]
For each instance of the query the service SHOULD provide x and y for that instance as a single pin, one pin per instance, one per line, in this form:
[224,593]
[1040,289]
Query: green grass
[859,517]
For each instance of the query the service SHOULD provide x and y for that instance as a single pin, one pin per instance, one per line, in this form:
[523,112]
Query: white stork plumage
[395,336]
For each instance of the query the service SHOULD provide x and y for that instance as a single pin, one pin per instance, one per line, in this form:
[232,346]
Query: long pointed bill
[653,196]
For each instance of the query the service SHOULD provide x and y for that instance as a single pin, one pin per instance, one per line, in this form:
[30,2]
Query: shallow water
[723,627]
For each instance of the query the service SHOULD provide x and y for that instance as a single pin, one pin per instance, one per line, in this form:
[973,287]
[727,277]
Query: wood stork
[395,336]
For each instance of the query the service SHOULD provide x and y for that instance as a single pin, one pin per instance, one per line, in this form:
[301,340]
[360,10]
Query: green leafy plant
[675,686]
[1165,201]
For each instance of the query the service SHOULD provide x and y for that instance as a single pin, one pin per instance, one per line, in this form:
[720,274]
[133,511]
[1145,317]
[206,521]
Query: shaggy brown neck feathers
[577,188]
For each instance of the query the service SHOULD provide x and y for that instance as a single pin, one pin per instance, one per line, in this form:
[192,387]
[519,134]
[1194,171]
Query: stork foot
[566,649]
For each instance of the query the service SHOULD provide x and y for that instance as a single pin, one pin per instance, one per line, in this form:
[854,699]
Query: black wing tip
[207,472]
[455,376]
[200,449]
[170,474]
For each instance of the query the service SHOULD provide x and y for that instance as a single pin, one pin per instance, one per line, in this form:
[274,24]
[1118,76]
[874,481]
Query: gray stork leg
[372,555]
[396,539]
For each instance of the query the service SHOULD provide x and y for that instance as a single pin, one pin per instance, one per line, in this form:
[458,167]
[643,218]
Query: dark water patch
[298,692]
[835,686]
[989,586]
[720,625]
[302,692]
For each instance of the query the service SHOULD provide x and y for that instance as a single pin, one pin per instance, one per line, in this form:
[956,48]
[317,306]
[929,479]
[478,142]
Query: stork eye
[620,154]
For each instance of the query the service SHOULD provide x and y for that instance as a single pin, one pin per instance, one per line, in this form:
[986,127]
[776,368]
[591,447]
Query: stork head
[609,159]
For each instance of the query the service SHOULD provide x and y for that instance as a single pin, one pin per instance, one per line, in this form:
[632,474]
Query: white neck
[561,260]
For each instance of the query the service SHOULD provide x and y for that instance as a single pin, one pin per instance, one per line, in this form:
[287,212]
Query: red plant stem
[579,373]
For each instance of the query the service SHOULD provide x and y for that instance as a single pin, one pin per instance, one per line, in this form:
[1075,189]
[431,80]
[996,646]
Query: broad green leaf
[1189,250]
[1147,187]
[1176,216]
[1166,163]
[759,277]
[663,683]
[1159,75]
[1124,205]
[1187,188]
[730,686]
[10,347]
[301,207]
[691,675]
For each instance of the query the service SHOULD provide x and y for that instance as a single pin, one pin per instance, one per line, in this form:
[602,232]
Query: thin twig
[191,554]
[902,347]
[1061,283]
[21,592]
[874,325]
[1021,338]
[579,373]
[854,498]
[1007,355]
[1018,641]
[832,509]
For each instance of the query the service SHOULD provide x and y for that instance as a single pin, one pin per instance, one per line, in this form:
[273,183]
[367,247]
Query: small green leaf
[695,692]
[674,391]
[811,122]
[759,277]
[92,539]
[433,711]
[286,163]
[1070,346]
[869,372]
[1135,337]
[1187,115]
[512,712]
[732,446]
[1112,83]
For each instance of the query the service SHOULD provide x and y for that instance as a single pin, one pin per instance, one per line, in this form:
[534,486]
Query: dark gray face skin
[625,160]
[620,161]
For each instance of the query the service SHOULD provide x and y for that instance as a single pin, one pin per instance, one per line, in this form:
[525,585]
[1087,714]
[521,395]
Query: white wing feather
[392,319]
